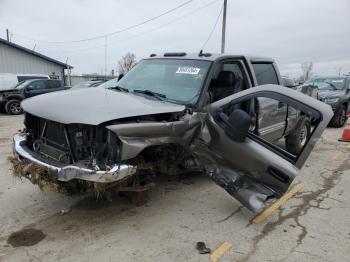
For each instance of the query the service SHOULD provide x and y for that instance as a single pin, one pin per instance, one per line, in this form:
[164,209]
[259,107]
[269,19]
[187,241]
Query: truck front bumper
[70,172]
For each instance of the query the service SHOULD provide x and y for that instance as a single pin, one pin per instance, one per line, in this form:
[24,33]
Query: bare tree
[126,63]
[307,68]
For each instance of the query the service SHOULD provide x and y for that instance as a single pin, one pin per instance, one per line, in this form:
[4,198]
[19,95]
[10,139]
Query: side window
[53,84]
[36,85]
[228,79]
[273,122]
[265,73]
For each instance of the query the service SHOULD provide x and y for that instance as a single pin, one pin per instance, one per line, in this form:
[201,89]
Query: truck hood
[94,106]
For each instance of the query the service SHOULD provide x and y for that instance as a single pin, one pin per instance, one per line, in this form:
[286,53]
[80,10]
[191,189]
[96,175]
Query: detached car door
[249,167]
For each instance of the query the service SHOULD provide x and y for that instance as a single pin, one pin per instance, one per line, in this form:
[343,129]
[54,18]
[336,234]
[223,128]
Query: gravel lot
[312,226]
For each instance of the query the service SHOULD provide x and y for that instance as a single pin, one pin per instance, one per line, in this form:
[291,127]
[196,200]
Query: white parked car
[9,81]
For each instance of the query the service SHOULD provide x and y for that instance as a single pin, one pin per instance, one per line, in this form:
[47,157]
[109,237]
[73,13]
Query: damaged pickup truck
[223,115]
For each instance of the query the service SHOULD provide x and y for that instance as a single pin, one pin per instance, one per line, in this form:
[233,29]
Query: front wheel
[13,107]
[339,118]
[296,140]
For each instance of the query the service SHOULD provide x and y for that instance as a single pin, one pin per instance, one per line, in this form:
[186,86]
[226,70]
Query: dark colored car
[334,91]
[221,115]
[11,99]
[87,84]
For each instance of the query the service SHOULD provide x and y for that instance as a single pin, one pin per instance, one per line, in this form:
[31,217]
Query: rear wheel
[339,118]
[13,107]
[296,140]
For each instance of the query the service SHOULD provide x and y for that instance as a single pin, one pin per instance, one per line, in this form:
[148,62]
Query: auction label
[188,70]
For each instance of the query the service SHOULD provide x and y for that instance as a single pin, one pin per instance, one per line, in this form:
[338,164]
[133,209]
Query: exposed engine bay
[99,148]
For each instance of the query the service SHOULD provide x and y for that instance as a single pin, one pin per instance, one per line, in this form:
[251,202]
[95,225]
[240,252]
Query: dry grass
[45,178]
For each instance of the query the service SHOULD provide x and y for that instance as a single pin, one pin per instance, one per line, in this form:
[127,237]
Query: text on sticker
[188,70]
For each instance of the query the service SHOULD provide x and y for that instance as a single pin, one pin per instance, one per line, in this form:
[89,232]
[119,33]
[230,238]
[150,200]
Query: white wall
[13,60]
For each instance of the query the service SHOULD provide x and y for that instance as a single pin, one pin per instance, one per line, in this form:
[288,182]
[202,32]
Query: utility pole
[8,35]
[223,34]
[105,56]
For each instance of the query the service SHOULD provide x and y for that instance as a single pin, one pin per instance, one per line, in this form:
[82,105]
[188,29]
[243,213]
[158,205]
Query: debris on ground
[202,248]
[65,211]
[220,251]
[279,202]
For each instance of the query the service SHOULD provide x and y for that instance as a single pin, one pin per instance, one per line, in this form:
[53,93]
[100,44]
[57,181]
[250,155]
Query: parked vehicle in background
[11,99]
[87,84]
[173,114]
[307,90]
[334,91]
[9,81]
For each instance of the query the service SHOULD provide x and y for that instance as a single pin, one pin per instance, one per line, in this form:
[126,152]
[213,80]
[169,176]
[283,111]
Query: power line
[109,34]
[141,34]
[212,31]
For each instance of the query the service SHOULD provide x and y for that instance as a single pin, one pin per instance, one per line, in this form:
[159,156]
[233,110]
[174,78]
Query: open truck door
[239,159]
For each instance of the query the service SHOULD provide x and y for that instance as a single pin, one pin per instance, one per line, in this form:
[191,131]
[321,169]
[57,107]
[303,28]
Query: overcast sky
[290,31]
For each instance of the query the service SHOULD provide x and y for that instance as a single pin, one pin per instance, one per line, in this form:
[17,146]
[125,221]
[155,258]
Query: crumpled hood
[330,93]
[94,106]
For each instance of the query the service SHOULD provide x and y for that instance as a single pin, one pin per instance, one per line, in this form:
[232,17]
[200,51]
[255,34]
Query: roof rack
[152,55]
[175,54]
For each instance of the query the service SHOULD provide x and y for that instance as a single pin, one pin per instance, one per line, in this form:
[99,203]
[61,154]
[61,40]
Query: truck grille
[74,143]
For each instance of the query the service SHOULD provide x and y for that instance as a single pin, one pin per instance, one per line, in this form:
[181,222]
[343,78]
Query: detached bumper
[67,173]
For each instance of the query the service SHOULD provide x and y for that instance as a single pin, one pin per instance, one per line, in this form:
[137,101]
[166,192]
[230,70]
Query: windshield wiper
[119,88]
[333,86]
[159,96]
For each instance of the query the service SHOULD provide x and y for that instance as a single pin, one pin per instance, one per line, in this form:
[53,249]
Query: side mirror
[120,76]
[237,125]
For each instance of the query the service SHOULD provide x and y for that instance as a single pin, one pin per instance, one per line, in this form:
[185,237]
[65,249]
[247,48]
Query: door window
[53,84]
[265,73]
[228,79]
[275,123]
[36,85]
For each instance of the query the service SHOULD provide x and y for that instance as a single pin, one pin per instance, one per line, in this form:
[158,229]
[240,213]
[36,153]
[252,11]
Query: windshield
[177,79]
[20,85]
[336,83]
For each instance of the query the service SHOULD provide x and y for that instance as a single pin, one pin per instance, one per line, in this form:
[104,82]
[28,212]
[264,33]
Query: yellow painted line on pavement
[215,256]
[348,146]
[336,155]
[279,202]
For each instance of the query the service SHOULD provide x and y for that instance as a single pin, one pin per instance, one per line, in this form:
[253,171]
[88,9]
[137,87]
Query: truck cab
[208,78]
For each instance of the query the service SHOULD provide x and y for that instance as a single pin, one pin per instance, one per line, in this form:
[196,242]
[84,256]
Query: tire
[13,107]
[339,118]
[296,140]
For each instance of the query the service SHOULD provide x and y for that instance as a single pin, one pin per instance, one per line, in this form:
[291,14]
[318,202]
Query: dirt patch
[25,237]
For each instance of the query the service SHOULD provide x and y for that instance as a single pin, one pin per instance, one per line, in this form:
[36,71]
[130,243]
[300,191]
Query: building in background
[17,59]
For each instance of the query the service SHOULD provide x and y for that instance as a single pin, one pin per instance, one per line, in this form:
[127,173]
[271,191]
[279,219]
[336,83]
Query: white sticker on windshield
[188,70]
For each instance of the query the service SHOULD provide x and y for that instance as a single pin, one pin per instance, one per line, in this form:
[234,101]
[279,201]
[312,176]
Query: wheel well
[9,98]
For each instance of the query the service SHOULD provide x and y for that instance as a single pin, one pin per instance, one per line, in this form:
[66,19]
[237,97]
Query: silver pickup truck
[223,115]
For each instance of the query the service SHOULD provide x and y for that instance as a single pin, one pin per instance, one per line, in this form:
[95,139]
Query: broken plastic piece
[202,248]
